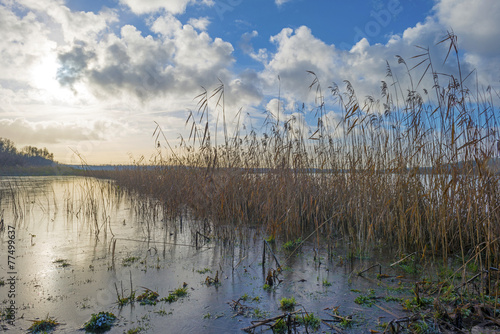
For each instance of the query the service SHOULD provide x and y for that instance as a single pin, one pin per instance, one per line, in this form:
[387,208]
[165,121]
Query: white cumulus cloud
[201,23]
[171,6]
[365,65]
[281,2]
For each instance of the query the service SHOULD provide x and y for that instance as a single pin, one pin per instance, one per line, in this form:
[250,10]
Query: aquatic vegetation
[63,263]
[326,282]
[287,304]
[346,322]
[415,303]
[204,271]
[258,313]
[136,330]
[422,327]
[43,326]
[472,267]
[127,262]
[122,301]
[148,297]
[272,277]
[100,322]
[366,299]
[309,321]
[176,294]
[180,292]
[393,299]
[163,312]
[212,316]
[291,244]
[170,298]
[280,327]
[213,281]
[410,269]
[271,239]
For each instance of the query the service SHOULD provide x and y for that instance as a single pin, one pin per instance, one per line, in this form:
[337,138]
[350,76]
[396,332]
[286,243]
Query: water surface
[79,240]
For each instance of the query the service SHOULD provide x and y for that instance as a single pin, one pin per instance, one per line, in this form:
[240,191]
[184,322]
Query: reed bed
[413,169]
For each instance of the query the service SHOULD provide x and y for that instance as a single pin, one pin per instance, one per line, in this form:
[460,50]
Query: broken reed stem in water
[266,321]
[375,265]
[266,244]
[403,259]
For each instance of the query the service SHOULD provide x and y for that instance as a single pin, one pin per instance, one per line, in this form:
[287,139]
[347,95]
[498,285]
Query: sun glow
[44,78]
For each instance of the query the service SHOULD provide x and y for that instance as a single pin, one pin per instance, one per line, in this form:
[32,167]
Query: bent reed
[415,172]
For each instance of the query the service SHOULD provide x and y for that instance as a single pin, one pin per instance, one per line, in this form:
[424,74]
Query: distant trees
[31,151]
[28,156]
[7,145]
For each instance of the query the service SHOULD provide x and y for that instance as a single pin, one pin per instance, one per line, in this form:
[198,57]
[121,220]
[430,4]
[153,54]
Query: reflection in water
[94,228]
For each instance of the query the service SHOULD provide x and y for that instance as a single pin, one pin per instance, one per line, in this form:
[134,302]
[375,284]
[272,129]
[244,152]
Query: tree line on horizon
[27,156]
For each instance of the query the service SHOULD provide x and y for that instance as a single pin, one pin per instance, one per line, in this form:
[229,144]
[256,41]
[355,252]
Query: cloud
[170,6]
[73,64]
[476,27]
[25,132]
[476,24]
[25,44]
[37,32]
[365,66]
[174,65]
[246,41]
[275,109]
[281,2]
[201,23]
[154,70]
[166,25]
[244,91]
[71,24]
[297,51]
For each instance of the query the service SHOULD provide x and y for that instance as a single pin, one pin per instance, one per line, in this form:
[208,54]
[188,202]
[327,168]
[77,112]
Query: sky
[92,79]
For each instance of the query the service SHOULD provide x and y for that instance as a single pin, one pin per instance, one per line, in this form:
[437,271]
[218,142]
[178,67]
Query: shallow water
[94,226]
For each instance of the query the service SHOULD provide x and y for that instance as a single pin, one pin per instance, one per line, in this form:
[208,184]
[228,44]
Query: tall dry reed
[412,171]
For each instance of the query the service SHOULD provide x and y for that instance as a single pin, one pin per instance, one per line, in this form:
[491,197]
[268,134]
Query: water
[92,226]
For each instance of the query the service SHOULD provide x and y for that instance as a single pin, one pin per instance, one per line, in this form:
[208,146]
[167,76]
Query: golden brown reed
[411,171]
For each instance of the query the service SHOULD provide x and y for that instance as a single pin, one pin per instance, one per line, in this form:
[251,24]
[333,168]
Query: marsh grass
[280,327]
[148,297]
[46,325]
[414,169]
[176,294]
[100,322]
[309,320]
[291,245]
[287,304]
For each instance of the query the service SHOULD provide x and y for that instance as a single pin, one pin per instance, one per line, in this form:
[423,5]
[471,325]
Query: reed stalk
[415,172]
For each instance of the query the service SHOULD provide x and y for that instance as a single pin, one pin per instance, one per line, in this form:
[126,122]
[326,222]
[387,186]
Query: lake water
[78,240]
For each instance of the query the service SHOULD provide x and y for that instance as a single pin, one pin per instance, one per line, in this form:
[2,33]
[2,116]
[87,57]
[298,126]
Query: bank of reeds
[414,171]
